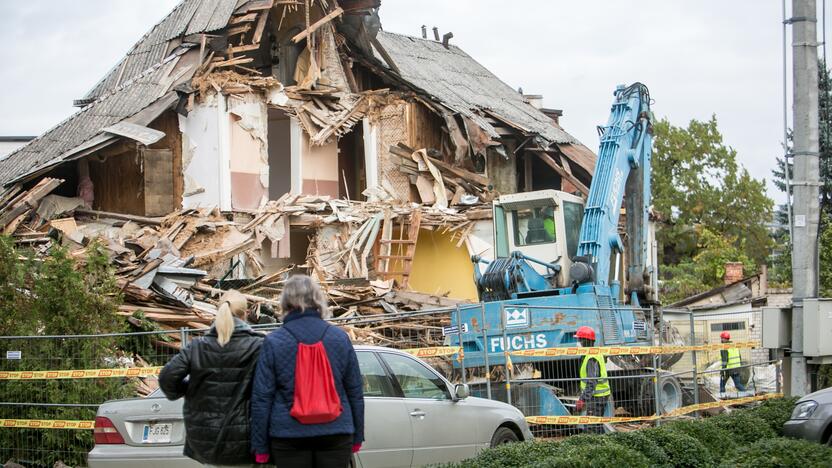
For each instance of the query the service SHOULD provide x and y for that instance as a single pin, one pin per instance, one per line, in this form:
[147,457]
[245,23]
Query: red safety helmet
[585,332]
[725,335]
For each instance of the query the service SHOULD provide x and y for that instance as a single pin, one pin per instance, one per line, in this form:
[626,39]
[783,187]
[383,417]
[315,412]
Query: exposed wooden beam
[317,24]
[545,157]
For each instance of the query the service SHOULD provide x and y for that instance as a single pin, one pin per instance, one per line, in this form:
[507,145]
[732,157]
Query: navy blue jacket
[274,383]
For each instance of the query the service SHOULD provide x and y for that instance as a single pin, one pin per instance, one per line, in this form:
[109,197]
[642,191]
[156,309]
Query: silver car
[812,418]
[413,417]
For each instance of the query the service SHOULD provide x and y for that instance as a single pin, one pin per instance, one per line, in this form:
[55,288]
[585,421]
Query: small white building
[11,143]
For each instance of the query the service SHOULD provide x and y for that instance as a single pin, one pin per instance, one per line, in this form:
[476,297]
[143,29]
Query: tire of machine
[670,394]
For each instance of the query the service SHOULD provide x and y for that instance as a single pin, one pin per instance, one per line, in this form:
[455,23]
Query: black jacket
[216,384]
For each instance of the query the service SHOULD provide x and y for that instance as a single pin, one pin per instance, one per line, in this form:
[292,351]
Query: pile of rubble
[172,270]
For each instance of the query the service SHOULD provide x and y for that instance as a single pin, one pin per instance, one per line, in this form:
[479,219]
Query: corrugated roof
[80,128]
[188,17]
[462,84]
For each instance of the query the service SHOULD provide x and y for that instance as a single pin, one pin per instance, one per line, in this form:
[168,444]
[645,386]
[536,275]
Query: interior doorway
[280,154]
[351,166]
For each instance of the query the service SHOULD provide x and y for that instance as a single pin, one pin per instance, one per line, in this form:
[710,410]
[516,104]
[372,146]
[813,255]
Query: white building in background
[11,143]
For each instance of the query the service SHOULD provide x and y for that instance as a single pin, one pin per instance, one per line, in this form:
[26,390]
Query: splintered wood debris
[172,270]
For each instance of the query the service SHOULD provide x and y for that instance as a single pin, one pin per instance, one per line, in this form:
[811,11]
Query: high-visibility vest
[734,359]
[602,387]
[549,226]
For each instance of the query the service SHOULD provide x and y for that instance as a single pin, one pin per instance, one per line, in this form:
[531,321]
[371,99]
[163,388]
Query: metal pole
[806,173]
[695,370]
[506,357]
[786,153]
[461,347]
[183,336]
[484,328]
[655,363]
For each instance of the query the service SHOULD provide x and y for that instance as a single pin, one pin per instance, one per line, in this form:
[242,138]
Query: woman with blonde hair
[307,404]
[214,374]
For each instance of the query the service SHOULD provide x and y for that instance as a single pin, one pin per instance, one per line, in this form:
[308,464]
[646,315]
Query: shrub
[716,439]
[636,440]
[775,412]
[512,455]
[584,440]
[745,427]
[682,449]
[56,296]
[602,455]
[781,453]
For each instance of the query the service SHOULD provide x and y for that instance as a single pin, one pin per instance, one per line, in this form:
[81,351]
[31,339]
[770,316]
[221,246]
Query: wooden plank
[158,181]
[317,24]
[243,48]
[120,216]
[232,62]
[467,175]
[239,30]
[243,19]
[30,200]
[254,5]
[261,26]
[574,180]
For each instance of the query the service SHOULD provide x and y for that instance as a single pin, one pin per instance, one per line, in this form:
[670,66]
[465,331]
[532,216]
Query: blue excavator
[561,263]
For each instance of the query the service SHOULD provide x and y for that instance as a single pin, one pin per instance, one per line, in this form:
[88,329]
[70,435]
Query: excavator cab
[542,225]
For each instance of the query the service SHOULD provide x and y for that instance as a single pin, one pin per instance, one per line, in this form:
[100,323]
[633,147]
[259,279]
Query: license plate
[156,433]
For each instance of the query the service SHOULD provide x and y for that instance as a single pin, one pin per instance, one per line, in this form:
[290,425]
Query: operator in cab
[595,387]
[731,364]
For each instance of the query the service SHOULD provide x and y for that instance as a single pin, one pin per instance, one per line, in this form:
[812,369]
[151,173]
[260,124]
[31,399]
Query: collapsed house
[241,140]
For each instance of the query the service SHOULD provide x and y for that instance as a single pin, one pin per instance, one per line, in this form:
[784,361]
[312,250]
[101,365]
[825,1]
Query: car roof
[376,348]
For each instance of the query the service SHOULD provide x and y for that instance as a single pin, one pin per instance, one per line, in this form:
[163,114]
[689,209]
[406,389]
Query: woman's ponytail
[232,304]
[224,323]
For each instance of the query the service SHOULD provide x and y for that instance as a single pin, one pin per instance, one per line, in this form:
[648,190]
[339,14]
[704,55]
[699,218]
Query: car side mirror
[461,391]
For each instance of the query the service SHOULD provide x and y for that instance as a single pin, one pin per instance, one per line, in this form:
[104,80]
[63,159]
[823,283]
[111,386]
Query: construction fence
[51,386]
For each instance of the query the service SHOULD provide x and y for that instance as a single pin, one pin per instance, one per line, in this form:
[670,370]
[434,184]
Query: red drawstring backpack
[316,400]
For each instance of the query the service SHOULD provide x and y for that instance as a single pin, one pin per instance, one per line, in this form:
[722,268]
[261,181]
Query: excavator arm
[623,166]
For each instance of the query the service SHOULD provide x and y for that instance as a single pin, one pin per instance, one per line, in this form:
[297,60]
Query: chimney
[436,33]
[424,32]
[446,38]
[535,100]
[733,272]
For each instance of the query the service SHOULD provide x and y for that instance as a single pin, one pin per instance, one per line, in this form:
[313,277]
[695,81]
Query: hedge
[683,450]
[781,452]
[741,438]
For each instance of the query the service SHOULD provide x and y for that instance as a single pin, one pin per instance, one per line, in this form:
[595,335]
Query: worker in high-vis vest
[731,364]
[595,386]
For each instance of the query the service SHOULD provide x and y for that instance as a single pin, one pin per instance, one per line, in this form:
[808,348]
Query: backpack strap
[291,333]
[324,333]
[298,339]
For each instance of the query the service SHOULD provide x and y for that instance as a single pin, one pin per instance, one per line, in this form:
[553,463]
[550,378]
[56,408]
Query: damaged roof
[80,130]
[464,85]
[136,82]
[188,17]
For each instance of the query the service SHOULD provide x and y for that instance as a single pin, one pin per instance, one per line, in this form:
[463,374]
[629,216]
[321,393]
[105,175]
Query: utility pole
[805,150]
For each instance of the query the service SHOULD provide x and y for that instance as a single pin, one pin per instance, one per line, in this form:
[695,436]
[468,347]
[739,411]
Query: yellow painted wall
[440,266]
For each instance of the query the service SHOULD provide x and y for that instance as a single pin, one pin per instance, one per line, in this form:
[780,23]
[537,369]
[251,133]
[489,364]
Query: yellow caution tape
[46,424]
[539,420]
[629,350]
[572,420]
[438,351]
[80,373]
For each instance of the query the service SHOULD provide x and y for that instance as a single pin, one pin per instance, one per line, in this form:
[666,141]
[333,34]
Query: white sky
[698,58]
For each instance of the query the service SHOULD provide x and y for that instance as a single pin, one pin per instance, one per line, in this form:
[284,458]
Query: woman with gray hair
[304,364]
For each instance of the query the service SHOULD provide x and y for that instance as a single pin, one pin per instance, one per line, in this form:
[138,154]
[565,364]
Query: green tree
[56,295]
[697,181]
[705,269]
[712,210]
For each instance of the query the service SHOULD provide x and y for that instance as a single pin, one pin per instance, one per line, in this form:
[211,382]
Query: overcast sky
[698,58]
